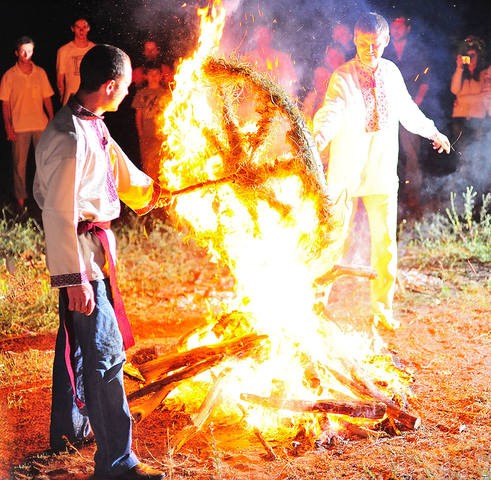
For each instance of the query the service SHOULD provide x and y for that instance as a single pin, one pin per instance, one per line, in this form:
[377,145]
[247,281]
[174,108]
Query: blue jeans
[97,359]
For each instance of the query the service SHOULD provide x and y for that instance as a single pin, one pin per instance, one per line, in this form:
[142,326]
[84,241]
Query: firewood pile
[161,375]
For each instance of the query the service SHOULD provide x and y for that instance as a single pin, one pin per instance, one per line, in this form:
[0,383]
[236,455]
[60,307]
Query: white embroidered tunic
[359,119]
[81,175]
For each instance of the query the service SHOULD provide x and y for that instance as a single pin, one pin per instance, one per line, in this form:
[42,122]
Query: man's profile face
[370,47]
[120,89]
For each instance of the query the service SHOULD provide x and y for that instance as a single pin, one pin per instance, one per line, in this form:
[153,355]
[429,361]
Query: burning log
[358,386]
[162,388]
[373,410]
[184,365]
[158,368]
[393,411]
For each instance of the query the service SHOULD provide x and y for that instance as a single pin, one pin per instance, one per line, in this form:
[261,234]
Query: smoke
[302,28]
[467,166]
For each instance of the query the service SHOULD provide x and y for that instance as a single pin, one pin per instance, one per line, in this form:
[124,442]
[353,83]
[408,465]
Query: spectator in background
[471,85]
[343,35]
[359,122]
[68,59]
[276,63]
[26,94]
[334,57]
[151,59]
[149,103]
[412,60]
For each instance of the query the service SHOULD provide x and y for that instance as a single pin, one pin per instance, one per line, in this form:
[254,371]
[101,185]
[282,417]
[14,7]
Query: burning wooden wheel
[259,134]
[277,140]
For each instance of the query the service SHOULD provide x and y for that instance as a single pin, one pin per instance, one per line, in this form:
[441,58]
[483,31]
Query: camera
[466,59]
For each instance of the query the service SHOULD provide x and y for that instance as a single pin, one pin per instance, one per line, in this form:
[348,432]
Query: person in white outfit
[359,122]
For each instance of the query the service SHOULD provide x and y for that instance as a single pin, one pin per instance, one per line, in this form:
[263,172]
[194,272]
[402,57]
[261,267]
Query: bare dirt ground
[444,340]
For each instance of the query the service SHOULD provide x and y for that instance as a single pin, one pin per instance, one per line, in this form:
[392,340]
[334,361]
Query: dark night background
[302,28]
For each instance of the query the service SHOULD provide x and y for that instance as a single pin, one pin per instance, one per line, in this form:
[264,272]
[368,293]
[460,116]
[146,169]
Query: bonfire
[246,182]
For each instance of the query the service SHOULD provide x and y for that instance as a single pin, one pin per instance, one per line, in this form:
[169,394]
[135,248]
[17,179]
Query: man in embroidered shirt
[81,176]
[359,121]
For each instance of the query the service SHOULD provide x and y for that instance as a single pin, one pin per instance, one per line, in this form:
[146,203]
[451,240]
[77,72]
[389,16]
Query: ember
[248,185]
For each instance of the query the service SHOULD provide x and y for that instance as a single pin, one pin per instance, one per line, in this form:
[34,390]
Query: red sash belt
[99,229]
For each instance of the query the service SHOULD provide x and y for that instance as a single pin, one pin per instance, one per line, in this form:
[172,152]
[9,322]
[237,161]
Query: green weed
[27,302]
[459,235]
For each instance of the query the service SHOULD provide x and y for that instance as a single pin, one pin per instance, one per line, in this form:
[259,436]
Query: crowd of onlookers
[29,100]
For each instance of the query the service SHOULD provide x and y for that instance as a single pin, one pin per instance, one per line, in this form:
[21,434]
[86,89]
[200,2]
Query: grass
[27,302]
[20,368]
[440,242]
[460,235]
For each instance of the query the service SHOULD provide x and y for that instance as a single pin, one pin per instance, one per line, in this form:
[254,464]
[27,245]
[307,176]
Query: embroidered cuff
[69,279]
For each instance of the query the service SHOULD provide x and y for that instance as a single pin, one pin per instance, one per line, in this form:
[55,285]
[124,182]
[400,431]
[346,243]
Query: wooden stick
[359,387]
[360,431]
[159,368]
[181,374]
[200,418]
[203,357]
[394,411]
[269,449]
[373,410]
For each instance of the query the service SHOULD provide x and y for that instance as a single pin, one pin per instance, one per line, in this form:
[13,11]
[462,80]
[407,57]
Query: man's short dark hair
[101,64]
[372,22]
[22,41]
[77,18]
[403,15]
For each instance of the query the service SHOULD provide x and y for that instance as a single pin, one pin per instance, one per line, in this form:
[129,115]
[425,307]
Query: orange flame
[270,257]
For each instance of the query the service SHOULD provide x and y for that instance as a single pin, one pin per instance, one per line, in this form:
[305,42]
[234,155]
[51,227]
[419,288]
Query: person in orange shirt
[26,94]
[334,57]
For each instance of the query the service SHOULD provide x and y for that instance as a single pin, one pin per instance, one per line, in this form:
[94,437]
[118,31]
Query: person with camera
[471,85]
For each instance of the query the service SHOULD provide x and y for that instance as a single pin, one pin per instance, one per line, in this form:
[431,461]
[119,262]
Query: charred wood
[358,386]
[374,410]
[158,368]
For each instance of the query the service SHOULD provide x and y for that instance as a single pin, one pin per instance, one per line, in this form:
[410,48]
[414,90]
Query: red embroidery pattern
[373,92]
[110,180]
[58,281]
